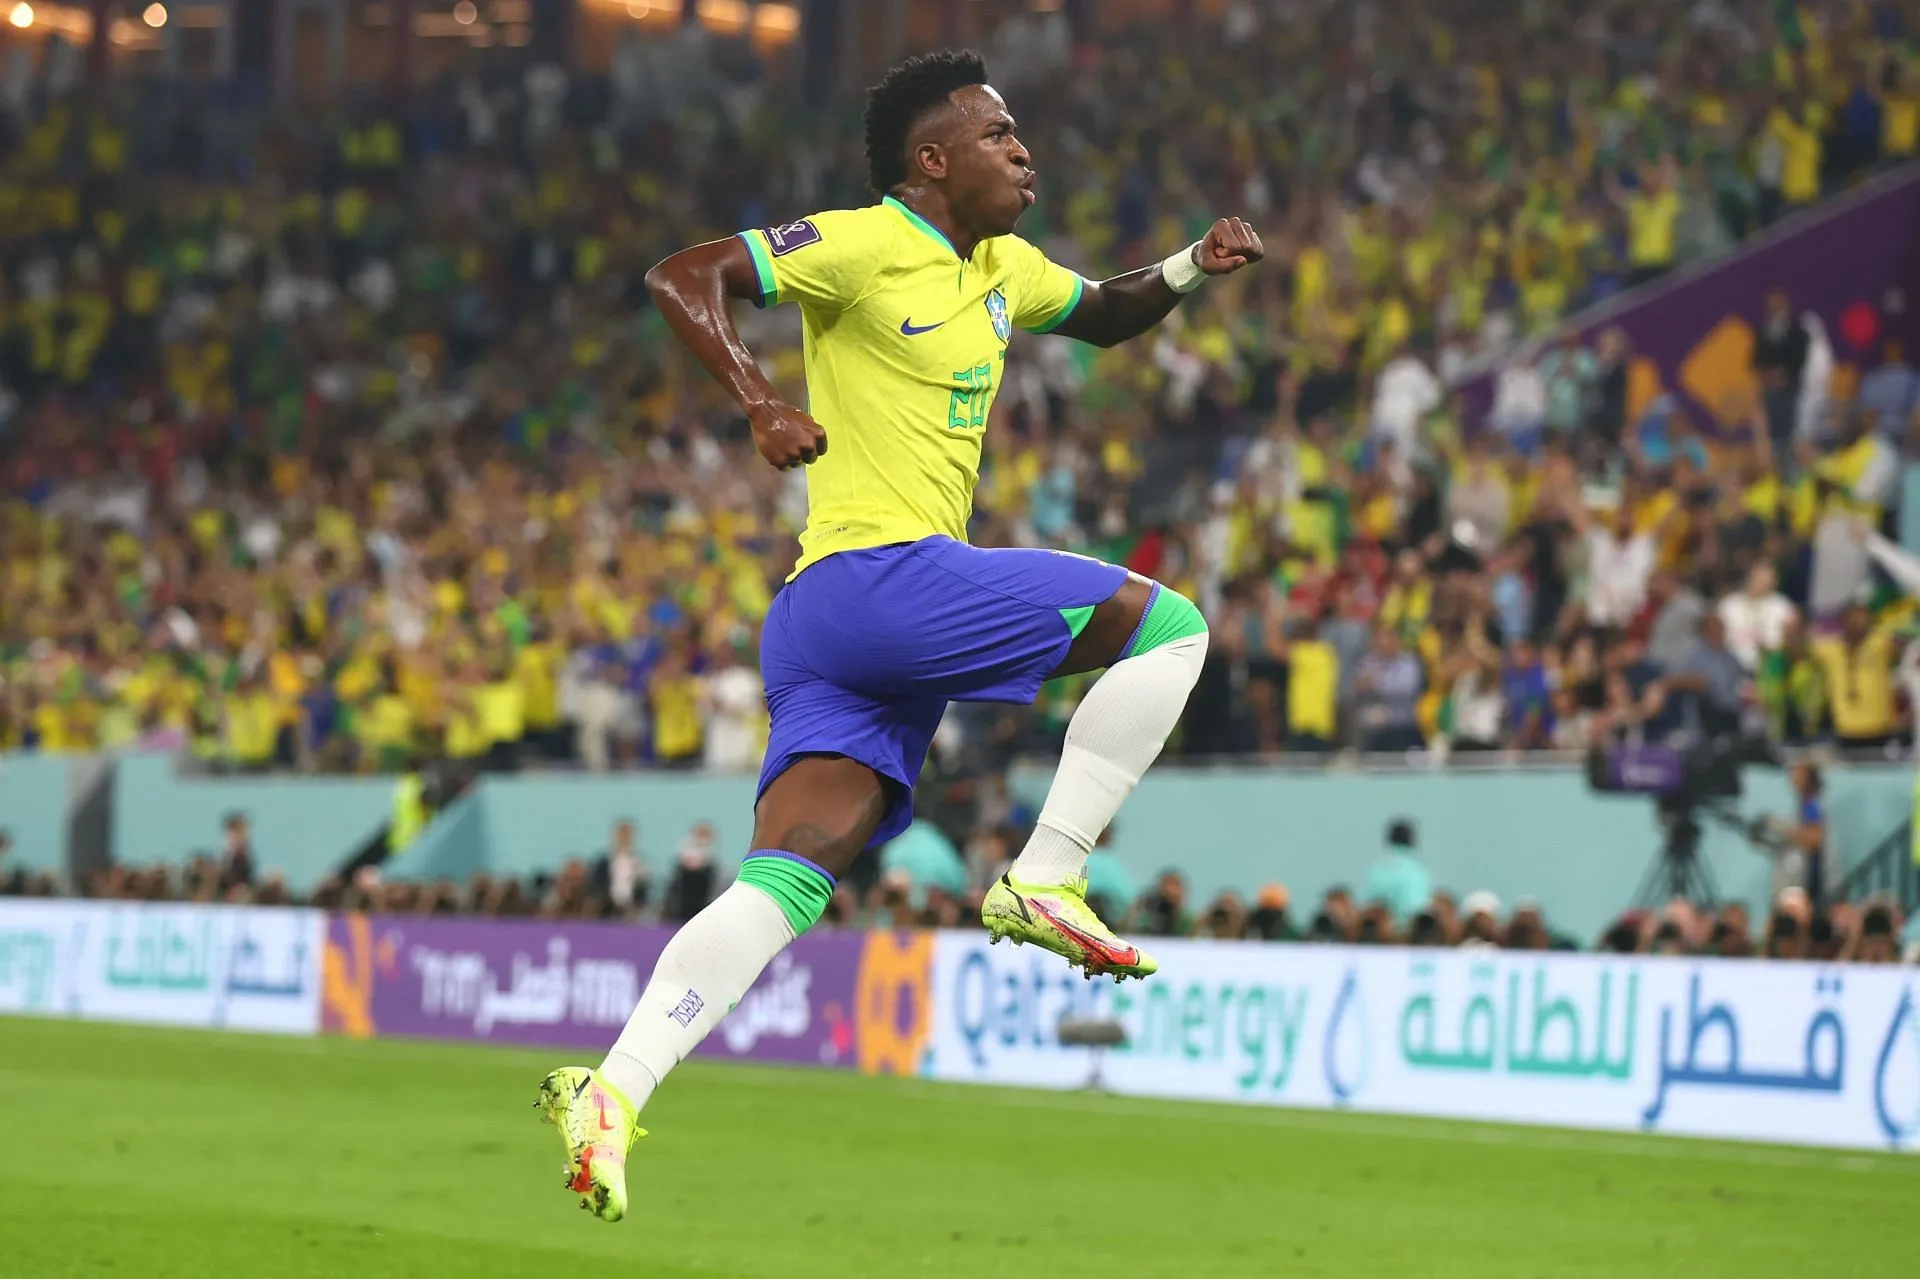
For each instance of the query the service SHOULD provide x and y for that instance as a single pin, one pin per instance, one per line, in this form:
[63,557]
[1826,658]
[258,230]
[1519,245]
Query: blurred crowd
[922,880]
[347,441]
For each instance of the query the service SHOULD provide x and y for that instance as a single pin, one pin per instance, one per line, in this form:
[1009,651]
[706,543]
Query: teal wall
[1538,834]
[1535,833]
[513,825]
[1525,833]
[33,809]
[303,827]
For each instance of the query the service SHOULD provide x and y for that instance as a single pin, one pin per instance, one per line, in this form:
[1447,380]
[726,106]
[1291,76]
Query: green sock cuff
[1170,616]
[801,889]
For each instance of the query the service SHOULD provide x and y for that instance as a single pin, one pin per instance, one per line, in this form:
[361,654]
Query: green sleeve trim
[762,269]
[1060,316]
[801,891]
[1170,616]
[1077,618]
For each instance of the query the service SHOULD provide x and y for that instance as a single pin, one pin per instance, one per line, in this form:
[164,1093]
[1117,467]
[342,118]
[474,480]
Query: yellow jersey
[1313,688]
[1651,216]
[1860,686]
[677,731]
[904,346]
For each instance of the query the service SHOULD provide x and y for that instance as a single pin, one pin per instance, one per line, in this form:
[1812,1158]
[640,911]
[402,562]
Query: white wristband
[1182,271]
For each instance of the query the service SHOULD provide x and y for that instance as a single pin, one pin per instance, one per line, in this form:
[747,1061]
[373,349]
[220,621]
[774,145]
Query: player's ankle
[630,1077]
[1051,859]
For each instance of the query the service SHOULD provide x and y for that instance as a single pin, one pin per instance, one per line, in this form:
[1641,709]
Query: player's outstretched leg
[809,824]
[1155,640]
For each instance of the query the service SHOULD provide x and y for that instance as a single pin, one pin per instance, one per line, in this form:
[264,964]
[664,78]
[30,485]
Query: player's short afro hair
[904,94]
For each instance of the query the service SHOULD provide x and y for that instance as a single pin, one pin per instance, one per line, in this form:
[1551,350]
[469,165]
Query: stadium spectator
[1162,911]
[621,875]
[732,709]
[1405,393]
[1877,939]
[1397,877]
[1652,211]
[1388,685]
[1337,919]
[236,854]
[1780,362]
[1480,920]
[1313,669]
[1789,933]
[1891,393]
[1710,685]
[569,895]
[692,884]
[1676,610]
[1225,919]
[1858,668]
[923,857]
[1620,561]
[1269,921]
[1527,929]
[1757,617]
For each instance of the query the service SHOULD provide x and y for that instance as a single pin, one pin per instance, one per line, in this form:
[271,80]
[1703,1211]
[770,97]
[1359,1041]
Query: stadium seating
[353,445]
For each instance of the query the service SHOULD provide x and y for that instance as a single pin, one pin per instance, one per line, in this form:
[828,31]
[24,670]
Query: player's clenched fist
[785,436]
[1229,245]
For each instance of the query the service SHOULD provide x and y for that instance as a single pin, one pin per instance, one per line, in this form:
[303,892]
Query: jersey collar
[925,227]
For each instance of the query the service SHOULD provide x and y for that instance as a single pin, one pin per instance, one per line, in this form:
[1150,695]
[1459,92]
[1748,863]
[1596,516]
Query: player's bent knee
[799,887]
[1171,620]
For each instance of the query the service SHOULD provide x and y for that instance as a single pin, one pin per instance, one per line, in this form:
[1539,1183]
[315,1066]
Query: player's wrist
[1182,271]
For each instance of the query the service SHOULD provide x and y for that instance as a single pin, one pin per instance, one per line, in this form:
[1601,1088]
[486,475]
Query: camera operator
[1799,856]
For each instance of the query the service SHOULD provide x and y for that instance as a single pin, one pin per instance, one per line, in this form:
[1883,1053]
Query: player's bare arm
[1126,306]
[693,289]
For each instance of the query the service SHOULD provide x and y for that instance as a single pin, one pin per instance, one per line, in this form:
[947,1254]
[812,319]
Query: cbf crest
[997,312]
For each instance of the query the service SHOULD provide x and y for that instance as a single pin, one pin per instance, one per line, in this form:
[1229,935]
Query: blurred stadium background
[366,545]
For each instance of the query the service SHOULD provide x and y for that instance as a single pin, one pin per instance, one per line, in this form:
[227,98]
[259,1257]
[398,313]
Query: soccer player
[907,306]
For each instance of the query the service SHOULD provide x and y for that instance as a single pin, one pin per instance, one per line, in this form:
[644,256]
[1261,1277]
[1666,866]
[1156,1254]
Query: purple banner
[1857,269]
[571,985]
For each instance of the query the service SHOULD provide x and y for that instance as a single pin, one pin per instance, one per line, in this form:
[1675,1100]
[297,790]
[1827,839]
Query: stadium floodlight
[1096,1034]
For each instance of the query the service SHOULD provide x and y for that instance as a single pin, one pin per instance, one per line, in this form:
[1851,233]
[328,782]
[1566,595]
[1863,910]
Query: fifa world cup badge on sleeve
[794,235]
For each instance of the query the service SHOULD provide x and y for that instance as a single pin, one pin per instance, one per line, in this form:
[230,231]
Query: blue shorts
[862,652]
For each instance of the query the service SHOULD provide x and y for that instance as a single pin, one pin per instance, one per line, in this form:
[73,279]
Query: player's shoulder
[1012,249]
[834,228]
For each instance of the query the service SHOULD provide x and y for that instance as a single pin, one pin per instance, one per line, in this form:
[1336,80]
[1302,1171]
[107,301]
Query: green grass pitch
[156,1154]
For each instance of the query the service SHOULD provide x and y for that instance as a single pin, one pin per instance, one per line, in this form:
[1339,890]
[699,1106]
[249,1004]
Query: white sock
[1115,733]
[703,972]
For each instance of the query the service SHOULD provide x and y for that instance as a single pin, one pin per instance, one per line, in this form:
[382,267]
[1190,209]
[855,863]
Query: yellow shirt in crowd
[1859,684]
[1651,216]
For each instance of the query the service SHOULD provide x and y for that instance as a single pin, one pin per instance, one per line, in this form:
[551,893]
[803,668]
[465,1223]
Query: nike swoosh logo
[1025,915]
[910,329]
